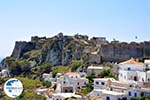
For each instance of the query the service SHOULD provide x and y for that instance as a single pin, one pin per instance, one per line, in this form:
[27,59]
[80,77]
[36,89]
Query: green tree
[90,77]
[104,73]
[15,69]
[141,98]
[141,59]
[46,68]
[75,64]
[46,83]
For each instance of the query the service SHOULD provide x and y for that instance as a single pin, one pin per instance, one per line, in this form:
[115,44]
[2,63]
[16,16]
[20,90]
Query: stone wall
[123,51]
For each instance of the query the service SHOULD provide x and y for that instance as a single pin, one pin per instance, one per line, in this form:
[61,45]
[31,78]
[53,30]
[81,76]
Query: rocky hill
[61,50]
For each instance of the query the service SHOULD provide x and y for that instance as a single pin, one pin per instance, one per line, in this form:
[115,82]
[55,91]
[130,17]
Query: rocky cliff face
[58,50]
[21,48]
[61,50]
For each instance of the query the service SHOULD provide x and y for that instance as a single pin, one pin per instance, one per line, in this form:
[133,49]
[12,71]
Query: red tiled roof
[71,73]
[131,61]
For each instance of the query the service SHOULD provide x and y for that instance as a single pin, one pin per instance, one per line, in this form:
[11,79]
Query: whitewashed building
[148,76]
[48,77]
[138,92]
[131,70]
[5,73]
[113,95]
[147,62]
[103,87]
[94,70]
[109,95]
[41,91]
[71,82]
[101,83]
[63,96]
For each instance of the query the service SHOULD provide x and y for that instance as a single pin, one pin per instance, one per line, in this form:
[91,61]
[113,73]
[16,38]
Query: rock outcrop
[21,48]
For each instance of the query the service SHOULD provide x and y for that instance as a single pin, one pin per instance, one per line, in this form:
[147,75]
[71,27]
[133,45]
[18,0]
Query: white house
[147,61]
[131,70]
[138,92]
[101,83]
[113,95]
[94,69]
[109,95]
[105,87]
[71,82]
[47,77]
[63,96]
[41,91]
[148,76]
[5,73]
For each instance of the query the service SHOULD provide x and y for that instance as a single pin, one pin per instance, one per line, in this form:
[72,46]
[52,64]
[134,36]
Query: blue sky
[119,19]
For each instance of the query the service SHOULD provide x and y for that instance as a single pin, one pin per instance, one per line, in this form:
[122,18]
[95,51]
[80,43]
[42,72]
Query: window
[135,78]
[97,82]
[66,91]
[120,68]
[135,94]
[124,77]
[102,83]
[71,91]
[129,68]
[111,89]
[107,98]
[129,93]
[120,75]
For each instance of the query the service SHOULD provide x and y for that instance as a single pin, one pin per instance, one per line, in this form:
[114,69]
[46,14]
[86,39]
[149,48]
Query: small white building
[71,82]
[148,76]
[104,87]
[113,95]
[94,69]
[109,95]
[131,70]
[5,73]
[48,77]
[63,96]
[101,83]
[138,92]
[147,61]
[109,89]
[41,91]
